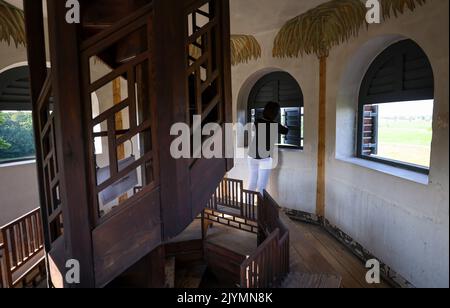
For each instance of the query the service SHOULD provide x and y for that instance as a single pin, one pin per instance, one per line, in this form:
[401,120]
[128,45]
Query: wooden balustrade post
[8,283]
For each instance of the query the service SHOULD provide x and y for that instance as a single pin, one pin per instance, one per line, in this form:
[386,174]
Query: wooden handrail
[269,265]
[231,194]
[22,240]
[2,266]
[8,225]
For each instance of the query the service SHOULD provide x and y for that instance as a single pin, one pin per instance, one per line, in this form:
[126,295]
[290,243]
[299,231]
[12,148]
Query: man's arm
[283,129]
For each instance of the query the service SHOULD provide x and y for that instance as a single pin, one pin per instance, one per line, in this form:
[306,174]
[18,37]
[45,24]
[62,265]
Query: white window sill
[291,150]
[19,163]
[386,169]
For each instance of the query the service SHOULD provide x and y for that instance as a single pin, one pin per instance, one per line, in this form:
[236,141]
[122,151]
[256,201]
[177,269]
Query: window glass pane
[405,131]
[16,136]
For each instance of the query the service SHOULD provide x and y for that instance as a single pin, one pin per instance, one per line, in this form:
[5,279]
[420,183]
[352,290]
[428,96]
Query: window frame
[278,77]
[19,73]
[23,159]
[397,53]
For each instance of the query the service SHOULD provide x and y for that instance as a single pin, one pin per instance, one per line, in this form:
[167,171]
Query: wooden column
[34,28]
[321,156]
[37,64]
[169,47]
[70,141]
[226,64]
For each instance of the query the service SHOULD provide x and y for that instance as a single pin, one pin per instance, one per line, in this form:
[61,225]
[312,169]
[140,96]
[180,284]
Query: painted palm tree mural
[316,32]
[244,48]
[12,24]
[397,7]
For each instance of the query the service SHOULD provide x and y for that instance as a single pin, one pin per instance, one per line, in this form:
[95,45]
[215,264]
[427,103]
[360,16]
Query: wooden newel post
[70,145]
[321,156]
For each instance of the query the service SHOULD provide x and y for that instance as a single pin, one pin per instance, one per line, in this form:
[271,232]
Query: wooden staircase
[99,16]
[146,45]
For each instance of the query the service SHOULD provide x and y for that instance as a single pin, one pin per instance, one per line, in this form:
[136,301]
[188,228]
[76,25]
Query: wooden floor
[315,251]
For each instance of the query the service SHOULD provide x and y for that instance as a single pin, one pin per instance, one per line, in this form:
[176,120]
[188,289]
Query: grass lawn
[407,141]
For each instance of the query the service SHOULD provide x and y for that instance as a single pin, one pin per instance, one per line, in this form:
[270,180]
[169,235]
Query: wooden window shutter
[292,120]
[370,130]
[257,114]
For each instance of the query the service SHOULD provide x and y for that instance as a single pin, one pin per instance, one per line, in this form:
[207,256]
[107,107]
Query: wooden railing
[268,215]
[21,249]
[249,205]
[246,210]
[233,206]
[2,265]
[269,265]
[232,195]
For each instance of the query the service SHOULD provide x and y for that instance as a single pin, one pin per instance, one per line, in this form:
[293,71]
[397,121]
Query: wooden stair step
[170,273]
[190,278]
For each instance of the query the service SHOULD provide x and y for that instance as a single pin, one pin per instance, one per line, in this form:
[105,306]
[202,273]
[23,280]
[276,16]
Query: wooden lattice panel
[231,220]
[204,78]
[128,159]
[51,181]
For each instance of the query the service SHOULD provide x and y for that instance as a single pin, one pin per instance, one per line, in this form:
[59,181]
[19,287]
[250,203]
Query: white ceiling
[256,16]
[17,3]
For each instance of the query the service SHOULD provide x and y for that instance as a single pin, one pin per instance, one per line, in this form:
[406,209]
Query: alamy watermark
[373,275]
[73,12]
[73,272]
[373,15]
[218,141]
[373,11]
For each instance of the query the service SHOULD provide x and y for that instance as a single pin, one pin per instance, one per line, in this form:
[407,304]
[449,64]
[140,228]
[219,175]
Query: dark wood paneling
[149,272]
[70,141]
[169,29]
[226,66]
[225,263]
[38,73]
[185,253]
[126,238]
[206,175]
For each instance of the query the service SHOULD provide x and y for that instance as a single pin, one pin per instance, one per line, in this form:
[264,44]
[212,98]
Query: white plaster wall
[18,191]
[404,223]
[295,168]
[18,183]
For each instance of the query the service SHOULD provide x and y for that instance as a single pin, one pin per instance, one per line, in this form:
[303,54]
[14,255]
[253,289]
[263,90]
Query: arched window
[16,125]
[396,108]
[280,87]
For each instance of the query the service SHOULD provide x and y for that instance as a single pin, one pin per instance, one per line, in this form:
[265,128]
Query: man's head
[272,111]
